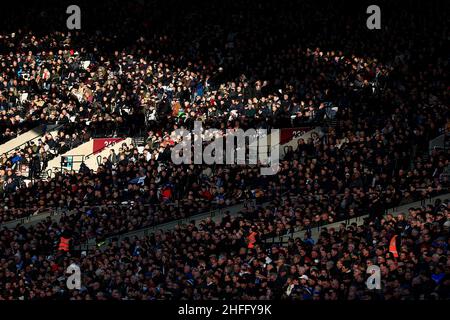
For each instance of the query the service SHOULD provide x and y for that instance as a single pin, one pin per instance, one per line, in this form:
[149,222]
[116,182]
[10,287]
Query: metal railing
[215,213]
[437,143]
[359,220]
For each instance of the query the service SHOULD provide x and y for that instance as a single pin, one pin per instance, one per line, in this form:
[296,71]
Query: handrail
[437,143]
[34,218]
[213,213]
[52,212]
[56,126]
[43,215]
[54,209]
[100,150]
[359,219]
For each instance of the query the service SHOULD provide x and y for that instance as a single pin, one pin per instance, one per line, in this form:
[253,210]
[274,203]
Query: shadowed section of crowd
[143,69]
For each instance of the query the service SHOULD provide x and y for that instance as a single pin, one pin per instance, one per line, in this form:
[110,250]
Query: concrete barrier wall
[84,149]
[215,215]
[262,155]
[54,131]
[92,162]
[54,214]
[31,135]
[294,142]
[79,154]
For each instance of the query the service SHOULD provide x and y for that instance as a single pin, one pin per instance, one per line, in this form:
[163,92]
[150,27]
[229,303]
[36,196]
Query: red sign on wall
[288,134]
[102,143]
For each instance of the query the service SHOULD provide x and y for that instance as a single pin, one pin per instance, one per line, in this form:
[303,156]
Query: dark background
[330,25]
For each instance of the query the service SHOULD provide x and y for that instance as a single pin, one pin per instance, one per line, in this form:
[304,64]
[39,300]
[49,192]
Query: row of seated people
[230,259]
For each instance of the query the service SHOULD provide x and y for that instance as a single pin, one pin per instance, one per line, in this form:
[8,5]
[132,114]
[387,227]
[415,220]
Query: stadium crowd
[230,260]
[391,99]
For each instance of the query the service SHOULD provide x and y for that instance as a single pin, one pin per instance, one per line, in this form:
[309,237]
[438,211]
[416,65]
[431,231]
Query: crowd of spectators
[215,261]
[388,97]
